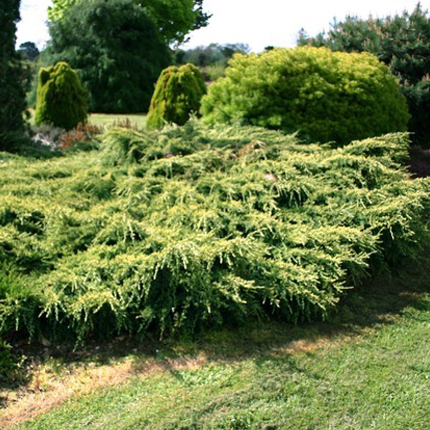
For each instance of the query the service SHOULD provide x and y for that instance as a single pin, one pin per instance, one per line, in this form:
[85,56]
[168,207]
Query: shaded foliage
[13,79]
[419,163]
[116,50]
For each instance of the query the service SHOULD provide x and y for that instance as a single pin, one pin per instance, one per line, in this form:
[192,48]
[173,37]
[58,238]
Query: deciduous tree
[29,51]
[173,18]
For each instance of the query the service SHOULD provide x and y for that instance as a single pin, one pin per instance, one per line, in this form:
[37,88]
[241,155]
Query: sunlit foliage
[177,95]
[325,96]
[196,226]
[61,99]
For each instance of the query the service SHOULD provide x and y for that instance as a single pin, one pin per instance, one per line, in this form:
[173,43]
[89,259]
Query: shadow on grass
[377,303]
[270,344]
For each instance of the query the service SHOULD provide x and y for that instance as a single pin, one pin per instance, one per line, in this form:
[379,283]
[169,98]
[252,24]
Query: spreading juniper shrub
[195,226]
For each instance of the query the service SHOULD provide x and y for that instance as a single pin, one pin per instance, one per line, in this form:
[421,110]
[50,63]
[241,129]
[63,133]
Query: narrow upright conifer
[61,99]
[12,79]
[177,95]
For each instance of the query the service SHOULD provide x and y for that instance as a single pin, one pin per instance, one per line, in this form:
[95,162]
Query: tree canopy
[29,51]
[116,50]
[174,19]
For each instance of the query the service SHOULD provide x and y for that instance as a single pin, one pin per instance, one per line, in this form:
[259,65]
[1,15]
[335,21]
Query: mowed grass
[368,370]
[103,119]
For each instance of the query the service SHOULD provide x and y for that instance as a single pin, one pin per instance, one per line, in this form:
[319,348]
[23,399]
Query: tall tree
[12,77]
[403,43]
[173,18]
[116,50]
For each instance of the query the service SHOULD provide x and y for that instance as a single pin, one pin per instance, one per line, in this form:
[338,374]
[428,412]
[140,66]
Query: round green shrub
[326,96]
[178,93]
[61,99]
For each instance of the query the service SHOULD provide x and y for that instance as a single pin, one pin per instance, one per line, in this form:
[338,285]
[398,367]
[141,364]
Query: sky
[256,23]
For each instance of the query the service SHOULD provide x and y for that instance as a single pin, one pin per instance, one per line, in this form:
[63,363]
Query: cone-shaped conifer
[61,99]
[177,95]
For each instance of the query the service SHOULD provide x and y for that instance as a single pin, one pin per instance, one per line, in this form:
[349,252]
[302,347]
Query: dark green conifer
[177,95]
[12,79]
[61,99]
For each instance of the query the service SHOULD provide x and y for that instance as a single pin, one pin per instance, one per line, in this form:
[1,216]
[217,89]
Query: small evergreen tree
[12,79]
[177,95]
[61,99]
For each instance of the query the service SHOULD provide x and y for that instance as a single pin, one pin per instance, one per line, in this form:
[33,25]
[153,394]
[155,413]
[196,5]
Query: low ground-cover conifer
[197,226]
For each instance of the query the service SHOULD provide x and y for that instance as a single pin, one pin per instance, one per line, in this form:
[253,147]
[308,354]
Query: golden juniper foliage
[61,99]
[324,95]
[177,95]
[199,225]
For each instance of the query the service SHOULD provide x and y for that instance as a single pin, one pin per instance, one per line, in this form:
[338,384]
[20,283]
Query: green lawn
[104,119]
[87,234]
[370,370]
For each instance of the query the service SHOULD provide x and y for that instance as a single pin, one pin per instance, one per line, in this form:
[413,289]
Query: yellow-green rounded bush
[61,99]
[178,93]
[326,96]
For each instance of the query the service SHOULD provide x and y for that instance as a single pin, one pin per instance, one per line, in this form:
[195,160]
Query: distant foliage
[61,99]
[325,96]
[116,50]
[212,73]
[210,55]
[402,42]
[199,226]
[211,59]
[29,51]
[177,95]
